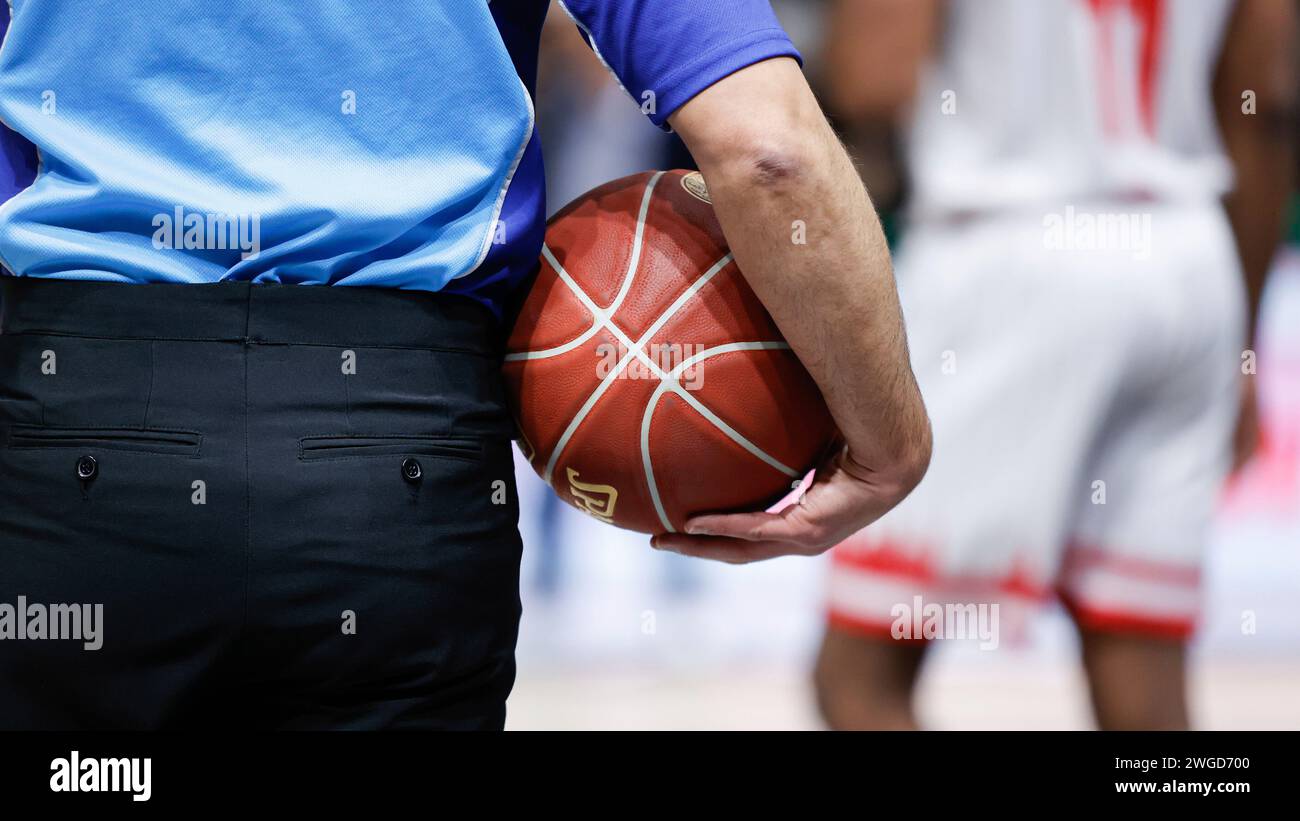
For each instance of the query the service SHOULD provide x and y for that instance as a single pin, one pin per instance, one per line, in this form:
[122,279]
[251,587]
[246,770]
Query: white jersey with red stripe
[1082,400]
[1034,102]
[1075,313]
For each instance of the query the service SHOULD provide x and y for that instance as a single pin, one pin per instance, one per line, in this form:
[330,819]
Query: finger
[720,549]
[752,527]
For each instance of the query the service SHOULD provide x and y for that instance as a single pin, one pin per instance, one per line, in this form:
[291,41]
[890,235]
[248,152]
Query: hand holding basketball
[844,498]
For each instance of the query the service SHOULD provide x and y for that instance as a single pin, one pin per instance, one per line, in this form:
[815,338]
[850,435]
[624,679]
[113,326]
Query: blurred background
[616,635]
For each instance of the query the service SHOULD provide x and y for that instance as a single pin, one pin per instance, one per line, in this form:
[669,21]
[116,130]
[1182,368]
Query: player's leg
[1132,575]
[1136,682]
[984,525]
[866,682]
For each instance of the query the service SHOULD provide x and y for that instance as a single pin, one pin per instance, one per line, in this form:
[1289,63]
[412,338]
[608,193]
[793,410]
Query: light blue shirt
[327,142]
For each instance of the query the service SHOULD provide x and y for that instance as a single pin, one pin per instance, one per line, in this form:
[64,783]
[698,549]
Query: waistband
[244,312]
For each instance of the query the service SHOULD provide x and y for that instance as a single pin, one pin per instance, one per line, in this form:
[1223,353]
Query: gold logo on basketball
[694,185]
[598,500]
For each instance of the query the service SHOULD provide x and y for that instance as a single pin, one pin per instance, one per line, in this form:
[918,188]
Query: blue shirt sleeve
[664,52]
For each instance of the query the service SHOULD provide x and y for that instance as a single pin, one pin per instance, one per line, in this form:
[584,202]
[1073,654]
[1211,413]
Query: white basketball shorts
[1081,368]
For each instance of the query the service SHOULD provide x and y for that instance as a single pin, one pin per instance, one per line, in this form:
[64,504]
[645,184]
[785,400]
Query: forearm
[808,241]
[1259,64]
[1256,208]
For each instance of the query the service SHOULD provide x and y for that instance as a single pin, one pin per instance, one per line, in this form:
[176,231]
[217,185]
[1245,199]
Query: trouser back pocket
[139,440]
[354,447]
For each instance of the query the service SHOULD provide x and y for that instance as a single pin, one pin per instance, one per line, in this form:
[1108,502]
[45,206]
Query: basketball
[648,382]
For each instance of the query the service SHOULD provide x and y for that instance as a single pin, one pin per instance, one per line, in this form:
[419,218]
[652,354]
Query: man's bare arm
[875,53]
[1259,58]
[773,164]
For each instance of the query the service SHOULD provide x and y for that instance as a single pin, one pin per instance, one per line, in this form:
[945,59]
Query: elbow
[775,166]
[772,153]
[767,166]
[760,130]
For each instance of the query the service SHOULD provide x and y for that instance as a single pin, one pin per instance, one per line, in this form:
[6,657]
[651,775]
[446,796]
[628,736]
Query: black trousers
[294,506]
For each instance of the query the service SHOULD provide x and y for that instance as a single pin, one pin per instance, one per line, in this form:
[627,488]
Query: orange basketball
[648,380]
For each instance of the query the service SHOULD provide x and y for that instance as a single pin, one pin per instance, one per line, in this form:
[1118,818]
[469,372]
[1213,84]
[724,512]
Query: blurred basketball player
[1079,320]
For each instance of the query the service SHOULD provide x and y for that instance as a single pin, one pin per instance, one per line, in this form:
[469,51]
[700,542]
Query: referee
[257,258]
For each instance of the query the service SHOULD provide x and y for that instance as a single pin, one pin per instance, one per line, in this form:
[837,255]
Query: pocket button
[411,470]
[87,468]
